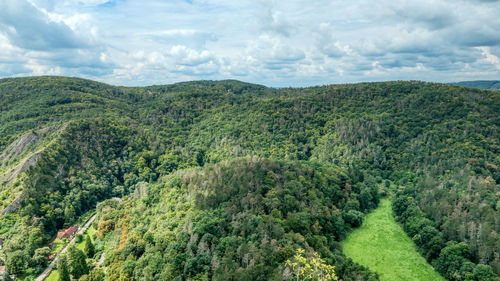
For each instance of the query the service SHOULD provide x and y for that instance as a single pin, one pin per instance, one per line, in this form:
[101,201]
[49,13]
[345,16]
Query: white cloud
[489,57]
[277,43]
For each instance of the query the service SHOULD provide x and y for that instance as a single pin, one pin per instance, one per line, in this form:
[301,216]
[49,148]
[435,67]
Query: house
[52,256]
[68,232]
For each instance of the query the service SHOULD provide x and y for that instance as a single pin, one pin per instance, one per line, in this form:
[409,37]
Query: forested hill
[225,180]
[493,85]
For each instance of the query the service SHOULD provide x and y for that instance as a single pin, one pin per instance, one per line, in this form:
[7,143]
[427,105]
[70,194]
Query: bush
[354,218]
[104,227]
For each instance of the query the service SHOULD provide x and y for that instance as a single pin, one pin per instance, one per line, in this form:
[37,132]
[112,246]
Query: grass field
[90,232]
[54,276]
[381,245]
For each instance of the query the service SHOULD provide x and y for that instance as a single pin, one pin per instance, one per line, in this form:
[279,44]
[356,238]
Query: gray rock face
[21,144]
[16,204]
[15,149]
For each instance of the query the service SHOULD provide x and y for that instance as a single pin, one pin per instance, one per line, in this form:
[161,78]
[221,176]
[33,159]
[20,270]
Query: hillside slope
[438,144]
[236,220]
[480,84]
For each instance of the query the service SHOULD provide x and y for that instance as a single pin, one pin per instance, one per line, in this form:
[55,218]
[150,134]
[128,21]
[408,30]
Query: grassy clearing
[53,276]
[381,245]
[90,232]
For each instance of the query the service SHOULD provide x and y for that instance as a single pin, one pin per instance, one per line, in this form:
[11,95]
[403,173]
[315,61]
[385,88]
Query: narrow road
[51,266]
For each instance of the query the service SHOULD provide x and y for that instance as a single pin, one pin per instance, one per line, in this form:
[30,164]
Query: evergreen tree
[76,262]
[89,248]
[62,267]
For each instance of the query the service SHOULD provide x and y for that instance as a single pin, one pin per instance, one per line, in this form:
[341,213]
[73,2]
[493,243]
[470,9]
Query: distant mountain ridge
[493,85]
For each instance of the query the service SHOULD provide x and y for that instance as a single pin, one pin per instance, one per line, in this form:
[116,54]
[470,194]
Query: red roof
[68,232]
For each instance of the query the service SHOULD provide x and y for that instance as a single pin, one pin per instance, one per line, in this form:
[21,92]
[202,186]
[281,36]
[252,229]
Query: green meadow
[382,245]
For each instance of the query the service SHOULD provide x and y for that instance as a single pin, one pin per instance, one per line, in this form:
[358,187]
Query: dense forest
[225,180]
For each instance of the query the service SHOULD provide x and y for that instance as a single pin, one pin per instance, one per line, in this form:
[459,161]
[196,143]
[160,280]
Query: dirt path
[51,266]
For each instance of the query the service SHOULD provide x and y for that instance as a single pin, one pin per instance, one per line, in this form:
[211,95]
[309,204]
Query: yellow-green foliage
[53,276]
[313,268]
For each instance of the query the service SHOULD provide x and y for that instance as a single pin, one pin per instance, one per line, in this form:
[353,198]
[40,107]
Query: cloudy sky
[275,43]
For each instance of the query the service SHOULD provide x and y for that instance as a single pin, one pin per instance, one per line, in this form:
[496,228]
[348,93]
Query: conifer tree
[89,248]
[77,263]
[62,267]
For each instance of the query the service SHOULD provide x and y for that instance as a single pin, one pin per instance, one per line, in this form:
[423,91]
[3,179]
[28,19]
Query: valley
[382,245]
[226,180]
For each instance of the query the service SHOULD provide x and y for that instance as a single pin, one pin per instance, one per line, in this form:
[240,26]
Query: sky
[274,43]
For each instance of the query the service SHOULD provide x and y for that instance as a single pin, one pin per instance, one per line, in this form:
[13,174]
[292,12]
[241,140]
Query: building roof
[68,232]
